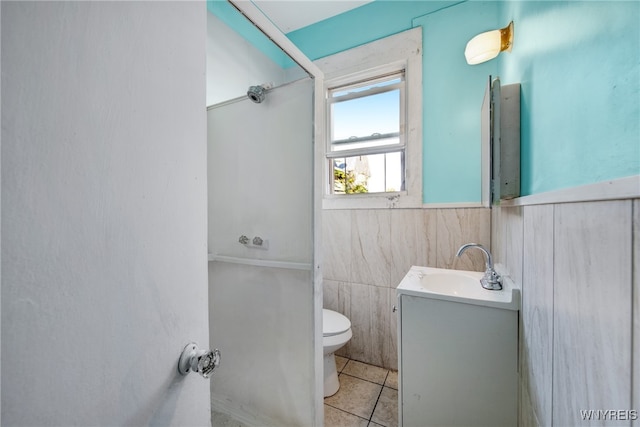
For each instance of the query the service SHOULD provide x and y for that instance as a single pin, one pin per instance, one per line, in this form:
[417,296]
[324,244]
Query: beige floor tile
[386,412]
[392,380]
[334,417]
[372,424]
[355,396]
[366,372]
[340,363]
[219,419]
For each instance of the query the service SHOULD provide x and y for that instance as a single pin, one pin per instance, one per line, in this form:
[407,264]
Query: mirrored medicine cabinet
[500,129]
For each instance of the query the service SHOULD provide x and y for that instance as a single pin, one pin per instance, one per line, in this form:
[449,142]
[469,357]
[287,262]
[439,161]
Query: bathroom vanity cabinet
[457,361]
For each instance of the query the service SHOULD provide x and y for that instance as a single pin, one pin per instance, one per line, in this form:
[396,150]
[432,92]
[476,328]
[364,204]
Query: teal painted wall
[579,68]
[452,90]
[452,98]
[578,63]
[362,25]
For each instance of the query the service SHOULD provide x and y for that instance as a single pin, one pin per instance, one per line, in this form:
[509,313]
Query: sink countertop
[458,286]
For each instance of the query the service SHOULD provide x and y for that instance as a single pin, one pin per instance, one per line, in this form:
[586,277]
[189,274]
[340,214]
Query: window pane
[394,172]
[375,173]
[365,116]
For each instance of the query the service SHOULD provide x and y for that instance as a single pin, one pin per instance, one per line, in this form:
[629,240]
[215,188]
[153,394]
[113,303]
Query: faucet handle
[491,280]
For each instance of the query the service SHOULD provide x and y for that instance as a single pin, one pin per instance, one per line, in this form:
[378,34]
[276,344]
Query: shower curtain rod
[273,33]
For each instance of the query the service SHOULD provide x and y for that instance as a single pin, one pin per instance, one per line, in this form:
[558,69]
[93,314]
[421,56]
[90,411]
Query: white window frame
[402,51]
[394,147]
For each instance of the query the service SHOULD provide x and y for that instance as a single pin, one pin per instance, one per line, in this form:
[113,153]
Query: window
[373,124]
[366,142]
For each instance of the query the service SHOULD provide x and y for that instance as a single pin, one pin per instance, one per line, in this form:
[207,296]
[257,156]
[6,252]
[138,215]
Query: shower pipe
[244,97]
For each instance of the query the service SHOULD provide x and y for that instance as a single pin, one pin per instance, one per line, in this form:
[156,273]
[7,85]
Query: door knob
[198,360]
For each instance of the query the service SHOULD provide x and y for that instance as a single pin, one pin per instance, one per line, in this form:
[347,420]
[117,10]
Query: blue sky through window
[360,117]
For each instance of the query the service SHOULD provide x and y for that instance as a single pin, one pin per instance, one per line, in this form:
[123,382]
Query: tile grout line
[378,399]
[364,379]
[382,387]
[346,412]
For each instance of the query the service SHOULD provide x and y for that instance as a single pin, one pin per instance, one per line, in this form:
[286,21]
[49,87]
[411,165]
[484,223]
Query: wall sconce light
[486,46]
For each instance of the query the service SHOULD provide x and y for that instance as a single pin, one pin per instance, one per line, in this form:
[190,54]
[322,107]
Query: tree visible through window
[367,143]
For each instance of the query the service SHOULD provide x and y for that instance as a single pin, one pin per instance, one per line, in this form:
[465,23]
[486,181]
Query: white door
[104,211]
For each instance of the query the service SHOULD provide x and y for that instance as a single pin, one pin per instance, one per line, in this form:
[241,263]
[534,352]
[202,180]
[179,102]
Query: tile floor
[368,396]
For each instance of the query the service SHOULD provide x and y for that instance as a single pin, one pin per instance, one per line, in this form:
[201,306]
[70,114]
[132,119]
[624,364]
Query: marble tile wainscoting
[578,265]
[366,254]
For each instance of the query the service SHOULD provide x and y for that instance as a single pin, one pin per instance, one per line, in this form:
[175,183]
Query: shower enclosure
[261,245]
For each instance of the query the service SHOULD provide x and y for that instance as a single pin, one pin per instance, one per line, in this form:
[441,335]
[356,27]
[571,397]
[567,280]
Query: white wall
[104,212]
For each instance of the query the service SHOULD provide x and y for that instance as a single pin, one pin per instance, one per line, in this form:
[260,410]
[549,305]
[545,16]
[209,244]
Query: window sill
[372,201]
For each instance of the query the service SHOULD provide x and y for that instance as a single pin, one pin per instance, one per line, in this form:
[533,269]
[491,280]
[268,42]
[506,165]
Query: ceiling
[291,15]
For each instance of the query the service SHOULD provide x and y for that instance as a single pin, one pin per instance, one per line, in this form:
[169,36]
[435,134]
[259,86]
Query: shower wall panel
[260,175]
[261,317]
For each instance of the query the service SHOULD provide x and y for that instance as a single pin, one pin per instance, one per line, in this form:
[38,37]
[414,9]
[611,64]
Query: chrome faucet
[491,280]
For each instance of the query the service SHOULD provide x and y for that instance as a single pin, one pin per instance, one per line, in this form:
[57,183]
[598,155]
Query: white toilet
[336,332]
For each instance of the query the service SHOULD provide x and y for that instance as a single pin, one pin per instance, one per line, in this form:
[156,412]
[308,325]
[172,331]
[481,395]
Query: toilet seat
[334,323]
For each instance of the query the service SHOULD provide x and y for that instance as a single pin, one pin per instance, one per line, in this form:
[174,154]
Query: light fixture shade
[486,46]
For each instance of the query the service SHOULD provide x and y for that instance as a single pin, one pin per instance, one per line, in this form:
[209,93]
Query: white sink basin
[458,286]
